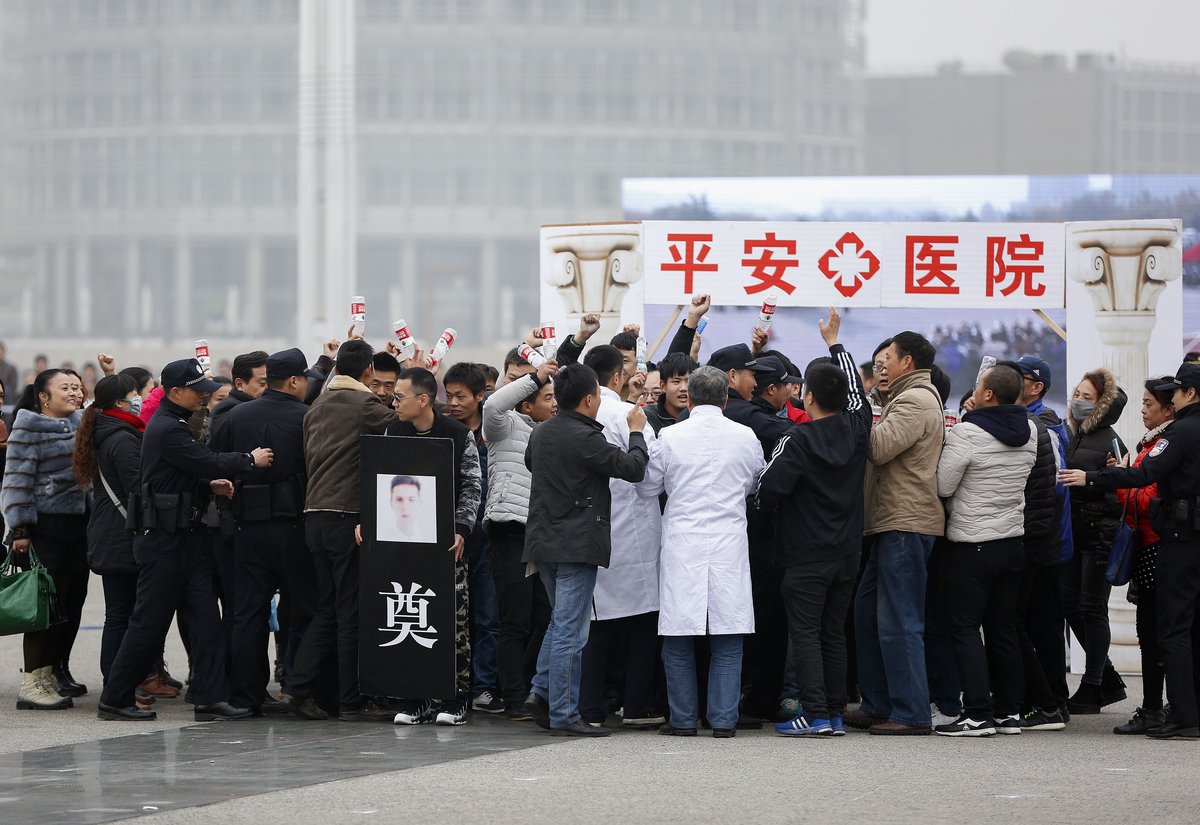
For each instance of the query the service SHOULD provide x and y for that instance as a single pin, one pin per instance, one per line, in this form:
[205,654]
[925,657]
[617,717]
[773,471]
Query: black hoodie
[816,476]
[1007,423]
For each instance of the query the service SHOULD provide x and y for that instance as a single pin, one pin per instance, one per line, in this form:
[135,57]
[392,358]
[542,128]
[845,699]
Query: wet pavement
[158,771]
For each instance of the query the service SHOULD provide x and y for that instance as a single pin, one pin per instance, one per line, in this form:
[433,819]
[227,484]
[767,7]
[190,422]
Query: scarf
[128,418]
[1150,435]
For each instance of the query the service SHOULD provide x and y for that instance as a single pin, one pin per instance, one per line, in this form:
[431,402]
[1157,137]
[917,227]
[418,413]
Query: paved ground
[70,767]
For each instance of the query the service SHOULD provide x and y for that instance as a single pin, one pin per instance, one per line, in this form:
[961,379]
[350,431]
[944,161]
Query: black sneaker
[517,713]
[1039,719]
[966,726]
[1142,721]
[1008,724]
[453,712]
[368,711]
[488,702]
[416,712]
[539,709]
[1112,687]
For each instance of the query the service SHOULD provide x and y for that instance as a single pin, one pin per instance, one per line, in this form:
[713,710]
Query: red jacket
[797,415]
[1137,514]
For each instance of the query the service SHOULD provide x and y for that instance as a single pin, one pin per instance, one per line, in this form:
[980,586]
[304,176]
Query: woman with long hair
[45,508]
[107,461]
[1096,405]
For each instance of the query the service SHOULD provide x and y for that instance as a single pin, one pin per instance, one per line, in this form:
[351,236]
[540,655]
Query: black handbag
[1126,545]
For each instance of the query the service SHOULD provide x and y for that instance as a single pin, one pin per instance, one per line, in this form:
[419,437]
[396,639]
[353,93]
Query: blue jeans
[569,587]
[724,680]
[485,616]
[889,626]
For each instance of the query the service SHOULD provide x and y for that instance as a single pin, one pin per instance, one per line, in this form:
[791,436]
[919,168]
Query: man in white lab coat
[625,605]
[707,465]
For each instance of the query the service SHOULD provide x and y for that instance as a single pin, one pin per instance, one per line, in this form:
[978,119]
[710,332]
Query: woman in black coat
[1095,407]
[108,459]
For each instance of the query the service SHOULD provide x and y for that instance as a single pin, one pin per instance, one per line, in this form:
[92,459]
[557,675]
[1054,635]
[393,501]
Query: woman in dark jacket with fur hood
[1095,407]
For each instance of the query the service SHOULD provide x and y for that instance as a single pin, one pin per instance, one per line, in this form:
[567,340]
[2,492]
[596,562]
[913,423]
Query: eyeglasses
[877,367]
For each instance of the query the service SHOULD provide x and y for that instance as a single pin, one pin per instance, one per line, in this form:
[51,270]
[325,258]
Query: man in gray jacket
[509,416]
[983,470]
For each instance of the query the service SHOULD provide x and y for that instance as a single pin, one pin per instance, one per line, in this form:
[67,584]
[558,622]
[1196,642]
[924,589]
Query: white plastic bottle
[441,348]
[203,356]
[358,315]
[404,338]
[549,341]
[642,361]
[531,355]
[767,313]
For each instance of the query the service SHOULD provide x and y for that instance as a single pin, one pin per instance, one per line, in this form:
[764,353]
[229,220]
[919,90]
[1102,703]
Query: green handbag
[24,596]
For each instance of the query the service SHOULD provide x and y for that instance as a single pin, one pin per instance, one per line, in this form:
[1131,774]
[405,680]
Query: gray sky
[917,34]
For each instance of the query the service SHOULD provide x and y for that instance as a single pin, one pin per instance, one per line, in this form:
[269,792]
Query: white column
[83,288]
[133,266]
[327,183]
[183,289]
[254,287]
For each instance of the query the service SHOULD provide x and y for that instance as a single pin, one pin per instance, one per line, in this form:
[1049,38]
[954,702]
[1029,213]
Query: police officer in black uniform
[268,510]
[174,573]
[1174,464]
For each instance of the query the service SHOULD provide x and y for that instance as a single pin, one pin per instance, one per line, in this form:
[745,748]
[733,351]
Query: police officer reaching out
[1174,464]
[178,474]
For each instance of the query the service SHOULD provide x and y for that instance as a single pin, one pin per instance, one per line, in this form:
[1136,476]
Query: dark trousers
[1045,626]
[120,596]
[174,574]
[270,556]
[816,596]
[627,646]
[766,648]
[524,611]
[225,584]
[484,614]
[1177,579]
[1038,693]
[1085,602]
[334,626]
[945,688]
[1153,672]
[983,586]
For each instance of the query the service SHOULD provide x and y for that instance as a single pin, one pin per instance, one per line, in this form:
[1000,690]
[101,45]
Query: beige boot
[39,691]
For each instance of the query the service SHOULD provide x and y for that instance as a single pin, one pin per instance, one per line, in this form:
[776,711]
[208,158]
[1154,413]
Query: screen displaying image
[407,509]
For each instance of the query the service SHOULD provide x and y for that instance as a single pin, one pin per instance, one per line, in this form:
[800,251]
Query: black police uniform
[1174,464]
[269,546]
[174,573]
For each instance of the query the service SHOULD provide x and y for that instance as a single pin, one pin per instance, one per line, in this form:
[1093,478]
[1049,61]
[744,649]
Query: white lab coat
[707,465]
[629,585]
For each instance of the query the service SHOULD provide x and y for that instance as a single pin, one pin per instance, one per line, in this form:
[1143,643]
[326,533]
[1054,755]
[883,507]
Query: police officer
[1174,464]
[174,573]
[268,510]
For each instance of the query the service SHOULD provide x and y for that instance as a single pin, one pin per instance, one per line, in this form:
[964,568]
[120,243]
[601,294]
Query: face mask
[135,404]
[1081,409]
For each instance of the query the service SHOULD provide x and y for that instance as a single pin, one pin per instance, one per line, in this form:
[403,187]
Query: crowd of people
[671,546]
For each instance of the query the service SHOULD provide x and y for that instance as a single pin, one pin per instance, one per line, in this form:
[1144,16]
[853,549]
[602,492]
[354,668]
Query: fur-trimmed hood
[1109,406]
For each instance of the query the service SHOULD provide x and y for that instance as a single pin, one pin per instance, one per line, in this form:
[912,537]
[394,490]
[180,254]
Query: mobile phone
[1116,450]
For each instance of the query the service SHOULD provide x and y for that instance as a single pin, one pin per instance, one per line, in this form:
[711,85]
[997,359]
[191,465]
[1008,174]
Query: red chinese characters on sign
[849,264]
[691,259]
[1015,264]
[929,264]
[768,270]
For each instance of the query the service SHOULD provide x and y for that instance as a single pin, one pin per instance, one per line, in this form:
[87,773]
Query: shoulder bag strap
[111,495]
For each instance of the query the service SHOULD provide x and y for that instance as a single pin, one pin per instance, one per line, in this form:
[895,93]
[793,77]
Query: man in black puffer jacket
[1042,528]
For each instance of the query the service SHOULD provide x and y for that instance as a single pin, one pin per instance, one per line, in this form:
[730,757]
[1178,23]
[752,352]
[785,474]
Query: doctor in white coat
[625,603]
[707,465]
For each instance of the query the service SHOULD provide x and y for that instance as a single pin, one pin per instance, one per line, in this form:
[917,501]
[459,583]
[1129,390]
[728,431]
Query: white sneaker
[966,726]
[488,703]
[415,713]
[453,712]
[940,718]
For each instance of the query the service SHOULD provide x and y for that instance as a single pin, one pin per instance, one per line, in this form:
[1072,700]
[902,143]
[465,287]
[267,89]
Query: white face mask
[135,404]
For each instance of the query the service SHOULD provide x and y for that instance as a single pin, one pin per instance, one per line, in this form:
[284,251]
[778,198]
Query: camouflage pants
[462,632]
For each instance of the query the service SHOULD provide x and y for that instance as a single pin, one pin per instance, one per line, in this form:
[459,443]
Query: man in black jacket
[416,390]
[269,547]
[249,382]
[816,478]
[173,570]
[673,373]
[568,536]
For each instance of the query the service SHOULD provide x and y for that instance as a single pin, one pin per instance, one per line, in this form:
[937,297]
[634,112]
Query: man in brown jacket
[347,410]
[903,517]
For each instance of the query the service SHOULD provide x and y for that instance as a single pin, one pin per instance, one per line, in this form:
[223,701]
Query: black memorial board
[406,572]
